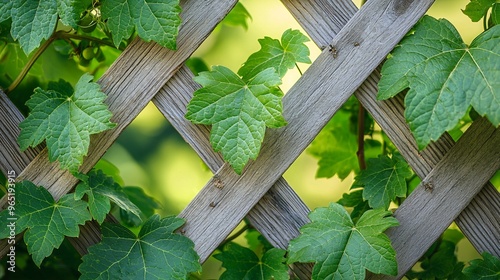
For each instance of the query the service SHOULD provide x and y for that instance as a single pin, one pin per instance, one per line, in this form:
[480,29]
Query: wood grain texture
[310,103]
[280,213]
[481,219]
[130,83]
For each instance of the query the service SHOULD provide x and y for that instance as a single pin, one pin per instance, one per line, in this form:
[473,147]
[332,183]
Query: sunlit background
[152,155]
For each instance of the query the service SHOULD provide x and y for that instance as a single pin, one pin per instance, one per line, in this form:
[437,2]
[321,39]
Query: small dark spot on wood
[428,186]
[213,204]
[333,50]
[356,44]
[218,183]
[183,231]
[322,48]
[401,6]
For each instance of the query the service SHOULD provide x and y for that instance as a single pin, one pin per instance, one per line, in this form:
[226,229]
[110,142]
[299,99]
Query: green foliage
[477,9]
[66,120]
[342,249]
[336,148]
[445,77]
[486,269]
[278,55]
[146,204]
[240,108]
[243,263]
[46,221]
[355,199]
[238,16]
[101,190]
[383,180]
[156,253]
[239,111]
[153,20]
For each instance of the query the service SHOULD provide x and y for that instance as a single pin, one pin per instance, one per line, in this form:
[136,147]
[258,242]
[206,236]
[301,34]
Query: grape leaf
[495,14]
[336,147]
[440,264]
[445,77]
[101,190]
[238,16]
[33,21]
[70,11]
[279,55]
[384,180]
[66,122]
[476,9]
[5,9]
[342,249]
[46,222]
[355,199]
[144,202]
[154,20]
[157,253]
[486,269]
[243,263]
[238,110]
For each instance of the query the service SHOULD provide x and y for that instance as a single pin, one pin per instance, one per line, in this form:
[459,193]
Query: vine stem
[56,35]
[234,236]
[298,68]
[361,137]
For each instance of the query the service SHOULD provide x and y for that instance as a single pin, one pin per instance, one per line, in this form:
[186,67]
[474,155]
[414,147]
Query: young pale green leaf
[5,9]
[336,147]
[46,222]
[33,21]
[342,249]
[445,77]
[384,179]
[157,253]
[279,55]
[238,16]
[66,122]
[486,269]
[238,111]
[101,190]
[70,11]
[243,263]
[476,9]
[154,20]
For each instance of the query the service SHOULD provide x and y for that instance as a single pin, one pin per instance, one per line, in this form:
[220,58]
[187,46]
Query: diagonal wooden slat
[362,44]
[130,83]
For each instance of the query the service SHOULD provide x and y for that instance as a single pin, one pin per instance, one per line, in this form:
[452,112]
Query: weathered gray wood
[428,211]
[361,45]
[130,83]
[280,213]
[480,220]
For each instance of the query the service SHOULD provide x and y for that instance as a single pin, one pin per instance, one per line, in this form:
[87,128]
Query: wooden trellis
[454,175]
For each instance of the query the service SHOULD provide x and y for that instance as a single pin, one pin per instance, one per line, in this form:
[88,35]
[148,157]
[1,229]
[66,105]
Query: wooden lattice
[454,176]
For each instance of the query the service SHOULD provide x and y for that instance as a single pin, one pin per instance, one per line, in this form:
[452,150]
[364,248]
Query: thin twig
[234,236]
[361,137]
[296,65]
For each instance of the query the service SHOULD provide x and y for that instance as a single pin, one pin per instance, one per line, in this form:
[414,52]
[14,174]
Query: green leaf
[154,20]
[445,77]
[238,16]
[495,14]
[336,148]
[238,111]
[440,264]
[243,263]
[144,202]
[5,9]
[486,269]
[355,199]
[70,11]
[46,222]
[384,179]
[279,55]
[101,190]
[66,122]
[157,253]
[33,21]
[342,249]
[476,9]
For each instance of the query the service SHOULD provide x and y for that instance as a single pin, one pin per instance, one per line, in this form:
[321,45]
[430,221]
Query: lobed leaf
[238,16]
[476,9]
[70,11]
[46,222]
[243,263]
[445,77]
[157,253]
[5,9]
[342,249]
[384,179]
[66,122]
[239,111]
